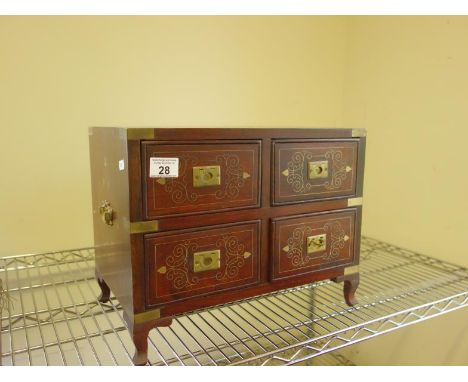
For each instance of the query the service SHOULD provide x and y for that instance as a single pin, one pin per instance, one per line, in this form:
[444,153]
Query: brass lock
[318,169]
[204,176]
[206,260]
[107,213]
[316,243]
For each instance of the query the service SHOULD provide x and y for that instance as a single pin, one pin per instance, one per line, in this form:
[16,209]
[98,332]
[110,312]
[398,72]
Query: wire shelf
[55,319]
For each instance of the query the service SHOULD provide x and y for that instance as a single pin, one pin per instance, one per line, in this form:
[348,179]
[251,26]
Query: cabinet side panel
[109,179]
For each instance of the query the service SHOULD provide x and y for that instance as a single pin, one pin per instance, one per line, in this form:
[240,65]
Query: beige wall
[407,83]
[60,75]
[405,79]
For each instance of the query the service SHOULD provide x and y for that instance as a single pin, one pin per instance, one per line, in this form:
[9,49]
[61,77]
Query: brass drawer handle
[317,243]
[205,176]
[206,260]
[318,169]
[106,212]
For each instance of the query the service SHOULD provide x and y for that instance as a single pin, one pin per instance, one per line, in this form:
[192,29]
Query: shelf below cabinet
[55,319]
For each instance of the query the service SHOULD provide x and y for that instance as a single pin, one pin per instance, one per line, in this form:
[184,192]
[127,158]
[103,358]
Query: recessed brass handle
[317,243]
[318,169]
[206,260]
[106,212]
[205,176]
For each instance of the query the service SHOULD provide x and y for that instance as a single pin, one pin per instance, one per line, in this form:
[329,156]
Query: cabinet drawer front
[211,177]
[186,264]
[313,242]
[311,170]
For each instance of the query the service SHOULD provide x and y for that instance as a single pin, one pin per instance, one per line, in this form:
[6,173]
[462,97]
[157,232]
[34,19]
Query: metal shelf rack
[54,318]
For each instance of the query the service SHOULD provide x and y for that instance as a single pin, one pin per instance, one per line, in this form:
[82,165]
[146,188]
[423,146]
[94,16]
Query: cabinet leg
[350,285]
[140,339]
[139,334]
[105,291]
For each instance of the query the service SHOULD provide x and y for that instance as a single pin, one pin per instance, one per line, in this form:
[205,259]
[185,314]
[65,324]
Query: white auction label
[164,167]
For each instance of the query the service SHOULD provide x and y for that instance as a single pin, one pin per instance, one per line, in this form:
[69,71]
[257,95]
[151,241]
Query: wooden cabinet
[187,218]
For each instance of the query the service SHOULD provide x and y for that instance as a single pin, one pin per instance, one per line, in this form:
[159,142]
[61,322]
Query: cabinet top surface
[244,132]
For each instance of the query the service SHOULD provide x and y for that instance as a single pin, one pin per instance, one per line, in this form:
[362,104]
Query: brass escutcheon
[107,213]
[316,243]
[204,176]
[206,260]
[318,169]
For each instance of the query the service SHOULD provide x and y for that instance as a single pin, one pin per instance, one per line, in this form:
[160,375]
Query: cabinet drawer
[311,170]
[313,242]
[194,263]
[212,176]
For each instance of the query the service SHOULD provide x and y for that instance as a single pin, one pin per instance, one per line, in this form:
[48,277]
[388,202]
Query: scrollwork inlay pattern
[178,270]
[177,265]
[297,171]
[231,177]
[297,248]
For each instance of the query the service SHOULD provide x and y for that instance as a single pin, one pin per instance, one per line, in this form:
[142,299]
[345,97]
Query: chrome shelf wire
[53,317]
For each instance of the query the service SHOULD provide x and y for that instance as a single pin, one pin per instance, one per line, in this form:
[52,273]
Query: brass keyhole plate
[316,243]
[206,260]
[318,169]
[204,176]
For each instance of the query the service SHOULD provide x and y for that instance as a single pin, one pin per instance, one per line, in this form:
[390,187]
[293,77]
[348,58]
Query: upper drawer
[191,263]
[212,176]
[314,169]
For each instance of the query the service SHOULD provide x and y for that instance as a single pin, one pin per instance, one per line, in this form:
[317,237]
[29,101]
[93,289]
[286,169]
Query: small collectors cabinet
[189,218]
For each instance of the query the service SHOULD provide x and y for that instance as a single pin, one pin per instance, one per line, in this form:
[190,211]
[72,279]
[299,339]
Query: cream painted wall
[406,82]
[60,75]
[405,79]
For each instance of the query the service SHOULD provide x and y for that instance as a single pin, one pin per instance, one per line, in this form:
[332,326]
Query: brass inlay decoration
[334,169]
[144,226]
[206,260]
[351,270]
[318,169]
[301,245]
[186,274]
[354,202]
[150,315]
[140,133]
[358,133]
[106,212]
[316,243]
[234,179]
[161,181]
[204,176]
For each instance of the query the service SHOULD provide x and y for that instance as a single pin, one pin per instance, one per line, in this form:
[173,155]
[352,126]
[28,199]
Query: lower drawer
[192,263]
[313,242]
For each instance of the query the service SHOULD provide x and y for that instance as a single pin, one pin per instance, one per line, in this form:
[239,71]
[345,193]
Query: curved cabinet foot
[140,339]
[139,333]
[350,285]
[105,290]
